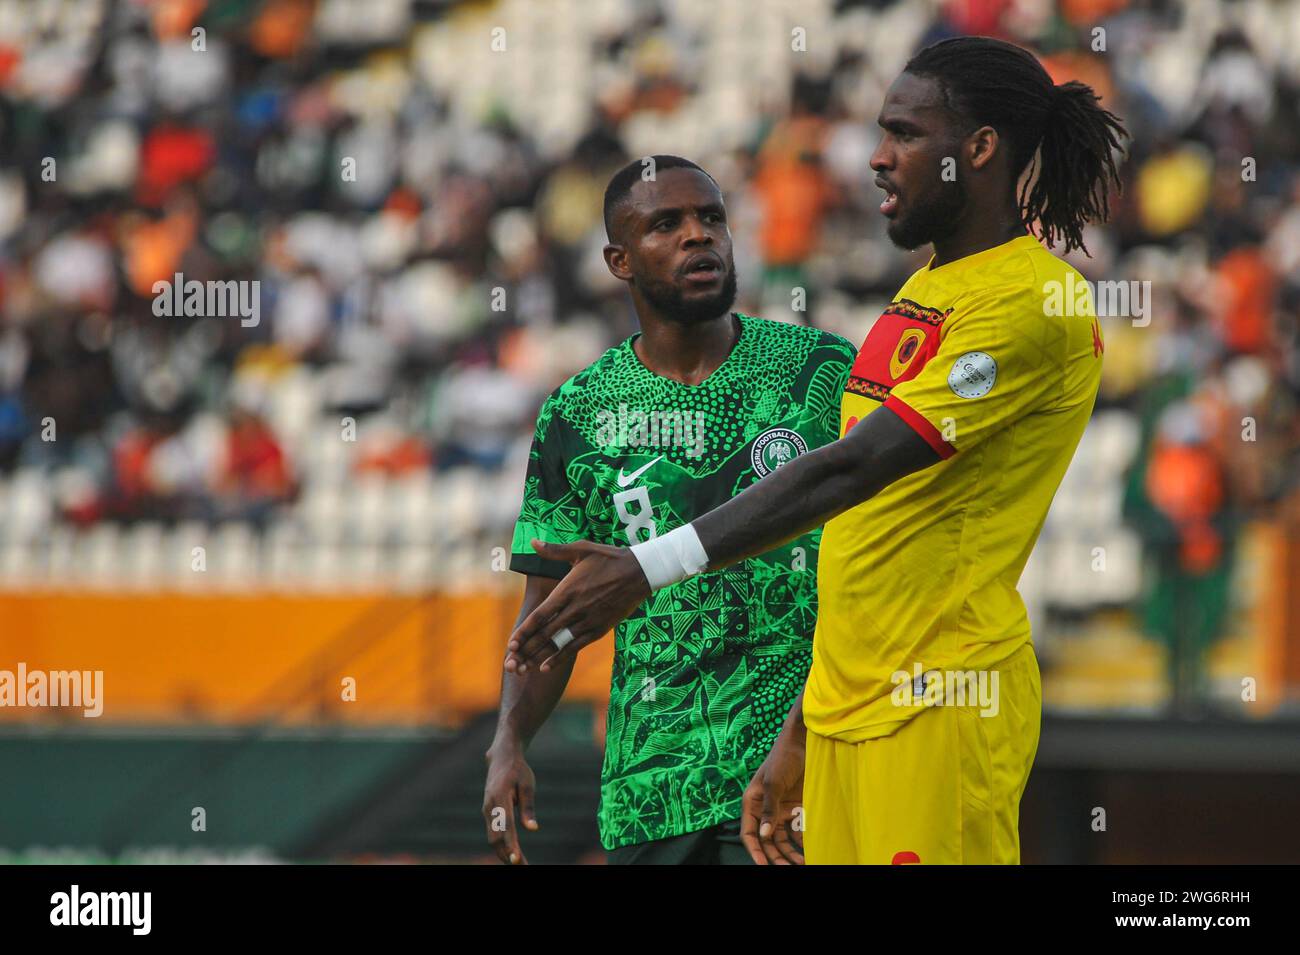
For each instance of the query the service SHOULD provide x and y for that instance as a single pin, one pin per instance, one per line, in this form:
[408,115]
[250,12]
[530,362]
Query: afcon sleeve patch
[973,374]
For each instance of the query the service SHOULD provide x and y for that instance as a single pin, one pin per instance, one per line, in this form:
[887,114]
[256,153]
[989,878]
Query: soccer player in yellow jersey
[916,731]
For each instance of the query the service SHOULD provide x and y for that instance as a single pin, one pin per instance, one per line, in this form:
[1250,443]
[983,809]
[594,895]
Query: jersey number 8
[640,519]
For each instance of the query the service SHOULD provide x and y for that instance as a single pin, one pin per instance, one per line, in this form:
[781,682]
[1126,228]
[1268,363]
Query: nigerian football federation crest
[774,447]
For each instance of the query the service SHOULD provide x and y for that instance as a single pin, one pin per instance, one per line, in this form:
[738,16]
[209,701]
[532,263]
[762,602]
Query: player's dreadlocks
[990,82]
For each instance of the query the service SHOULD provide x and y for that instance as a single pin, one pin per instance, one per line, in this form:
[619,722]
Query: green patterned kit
[704,671]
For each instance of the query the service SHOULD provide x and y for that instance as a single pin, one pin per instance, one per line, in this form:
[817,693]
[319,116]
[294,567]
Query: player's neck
[686,353]
[980,231]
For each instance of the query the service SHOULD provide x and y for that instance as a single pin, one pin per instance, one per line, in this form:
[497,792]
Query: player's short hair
[988,82]
[620,186]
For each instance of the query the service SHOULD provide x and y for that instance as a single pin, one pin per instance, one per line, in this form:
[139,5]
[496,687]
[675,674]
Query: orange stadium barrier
[238,659]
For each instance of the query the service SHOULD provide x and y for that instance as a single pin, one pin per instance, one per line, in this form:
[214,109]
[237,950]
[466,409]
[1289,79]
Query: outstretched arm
[607,583]
[813,488]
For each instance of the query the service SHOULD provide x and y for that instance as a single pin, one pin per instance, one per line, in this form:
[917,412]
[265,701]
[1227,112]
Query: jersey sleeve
[551,510]
[834,358]
[1000,358]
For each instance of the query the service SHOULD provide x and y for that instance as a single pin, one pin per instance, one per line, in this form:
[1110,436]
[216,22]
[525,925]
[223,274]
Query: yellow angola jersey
[994,359]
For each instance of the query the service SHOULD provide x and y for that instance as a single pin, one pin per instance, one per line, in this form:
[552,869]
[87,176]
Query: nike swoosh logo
[625,479]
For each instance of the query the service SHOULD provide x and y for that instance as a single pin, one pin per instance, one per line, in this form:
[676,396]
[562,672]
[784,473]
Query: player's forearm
[808,491]
[794,726]
[527,701]
[801,495]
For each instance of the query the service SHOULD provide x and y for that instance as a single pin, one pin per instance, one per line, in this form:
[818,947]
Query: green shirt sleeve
[552,509]
[833,364]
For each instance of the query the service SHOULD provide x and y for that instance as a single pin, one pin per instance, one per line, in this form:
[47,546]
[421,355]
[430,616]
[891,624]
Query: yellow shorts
[944,788]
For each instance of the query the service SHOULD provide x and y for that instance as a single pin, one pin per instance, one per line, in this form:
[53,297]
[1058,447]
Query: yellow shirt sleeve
[1000,358]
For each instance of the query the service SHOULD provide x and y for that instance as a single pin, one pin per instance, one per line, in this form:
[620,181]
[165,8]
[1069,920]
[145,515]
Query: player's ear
[616,262]
[981,146]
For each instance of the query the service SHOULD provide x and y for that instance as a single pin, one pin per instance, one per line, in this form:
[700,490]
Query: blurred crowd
[415,185]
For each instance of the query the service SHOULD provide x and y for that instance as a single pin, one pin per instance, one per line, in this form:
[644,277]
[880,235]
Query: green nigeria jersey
[704,671]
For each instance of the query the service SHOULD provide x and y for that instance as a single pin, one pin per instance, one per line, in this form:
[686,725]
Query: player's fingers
[785,845]
[529,626]
[536,626]
[751,810]
[796,836]
[512,662]
[527,812]
[569,649]
[499,817]
[569,553]
[767,827]
[559,635]
[514,853]
[774,856]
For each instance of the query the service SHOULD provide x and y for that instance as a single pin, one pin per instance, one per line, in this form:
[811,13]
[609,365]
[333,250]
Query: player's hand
[604,586]
[510,783]
[771,822]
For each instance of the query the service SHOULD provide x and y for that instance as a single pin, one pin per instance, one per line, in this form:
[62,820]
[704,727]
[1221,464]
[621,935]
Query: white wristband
[671,557]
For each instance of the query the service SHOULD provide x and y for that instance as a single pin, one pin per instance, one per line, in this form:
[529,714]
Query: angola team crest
[774,447]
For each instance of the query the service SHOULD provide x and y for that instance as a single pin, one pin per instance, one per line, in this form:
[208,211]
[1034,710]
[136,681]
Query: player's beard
[932,222]
[669,301]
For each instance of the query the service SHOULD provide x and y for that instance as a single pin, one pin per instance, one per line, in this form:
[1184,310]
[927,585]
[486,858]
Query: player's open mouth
[703,268]
[890,204]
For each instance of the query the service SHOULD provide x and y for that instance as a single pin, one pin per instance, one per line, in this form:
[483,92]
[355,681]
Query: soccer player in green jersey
[659,430]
